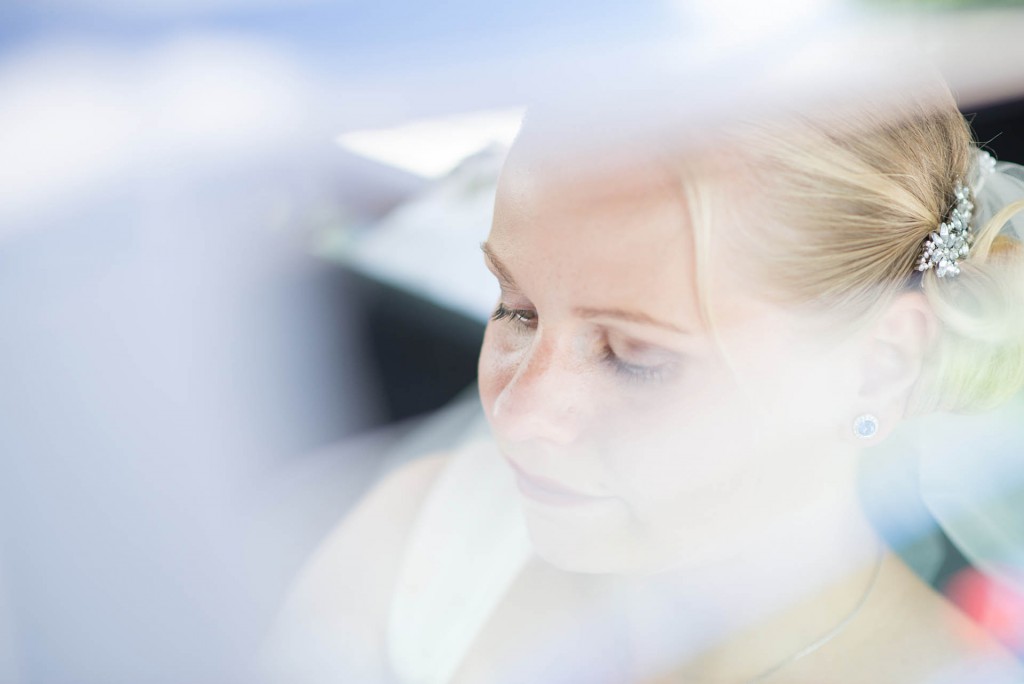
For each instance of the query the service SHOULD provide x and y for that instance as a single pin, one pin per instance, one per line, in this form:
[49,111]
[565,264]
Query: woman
[690,353]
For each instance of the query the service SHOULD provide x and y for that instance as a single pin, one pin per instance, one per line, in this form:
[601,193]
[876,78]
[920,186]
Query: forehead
[604,235]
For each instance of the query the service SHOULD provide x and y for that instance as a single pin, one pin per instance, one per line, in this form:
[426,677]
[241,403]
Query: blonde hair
[842,204]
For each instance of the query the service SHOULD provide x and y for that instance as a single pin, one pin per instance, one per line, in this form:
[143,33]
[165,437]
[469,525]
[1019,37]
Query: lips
[550,492]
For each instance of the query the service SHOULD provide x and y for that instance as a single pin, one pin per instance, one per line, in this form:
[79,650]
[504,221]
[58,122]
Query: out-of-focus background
[239,270]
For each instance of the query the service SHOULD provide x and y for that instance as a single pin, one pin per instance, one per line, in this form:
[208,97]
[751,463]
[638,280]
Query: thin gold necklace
[832,633]
[827,636]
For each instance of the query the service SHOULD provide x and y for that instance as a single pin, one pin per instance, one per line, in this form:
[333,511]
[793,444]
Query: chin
[571,549]
[616,549]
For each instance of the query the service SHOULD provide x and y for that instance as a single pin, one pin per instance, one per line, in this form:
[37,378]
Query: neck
[733,619]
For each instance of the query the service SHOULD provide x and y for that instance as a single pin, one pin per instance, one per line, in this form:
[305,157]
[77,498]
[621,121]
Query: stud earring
[865,426]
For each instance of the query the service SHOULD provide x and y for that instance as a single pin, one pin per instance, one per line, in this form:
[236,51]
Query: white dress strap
[467,545]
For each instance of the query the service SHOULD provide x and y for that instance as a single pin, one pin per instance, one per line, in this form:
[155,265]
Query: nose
[544,397]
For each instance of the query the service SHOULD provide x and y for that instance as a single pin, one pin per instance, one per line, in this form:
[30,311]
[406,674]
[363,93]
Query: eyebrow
[499,269]
[630,316]
[507,281]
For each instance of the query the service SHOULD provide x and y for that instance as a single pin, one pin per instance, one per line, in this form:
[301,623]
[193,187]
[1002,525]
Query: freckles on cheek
[495,369]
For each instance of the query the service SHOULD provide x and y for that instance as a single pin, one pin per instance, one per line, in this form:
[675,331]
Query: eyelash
[520,317]
[526,319]
[631,371]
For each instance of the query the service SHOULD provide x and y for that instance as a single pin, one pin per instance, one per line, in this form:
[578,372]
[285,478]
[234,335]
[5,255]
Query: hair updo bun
[850,199]
[978,360]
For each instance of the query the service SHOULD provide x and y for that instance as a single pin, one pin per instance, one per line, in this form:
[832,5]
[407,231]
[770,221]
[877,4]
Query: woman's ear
[894,352]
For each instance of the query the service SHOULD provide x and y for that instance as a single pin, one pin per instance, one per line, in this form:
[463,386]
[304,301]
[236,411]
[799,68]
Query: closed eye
[636,372]
[521,317]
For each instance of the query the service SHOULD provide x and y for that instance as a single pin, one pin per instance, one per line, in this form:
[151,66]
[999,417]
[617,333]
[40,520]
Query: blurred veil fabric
[172,351]
[972,467]
[972,482]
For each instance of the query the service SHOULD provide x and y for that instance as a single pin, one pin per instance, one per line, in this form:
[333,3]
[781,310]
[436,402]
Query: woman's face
[641,441]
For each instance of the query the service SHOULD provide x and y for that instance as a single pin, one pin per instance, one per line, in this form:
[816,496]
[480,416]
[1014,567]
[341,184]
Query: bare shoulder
[373,534]
[339,602]
[927,638]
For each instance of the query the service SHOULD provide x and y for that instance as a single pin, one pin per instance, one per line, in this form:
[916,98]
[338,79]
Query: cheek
[695,439]
[496,367]
[730,436]
[797,393]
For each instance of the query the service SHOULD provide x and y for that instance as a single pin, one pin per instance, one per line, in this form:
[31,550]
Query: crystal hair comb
[946,247]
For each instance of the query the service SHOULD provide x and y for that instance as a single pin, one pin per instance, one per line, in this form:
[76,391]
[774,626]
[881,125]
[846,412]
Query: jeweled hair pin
[946,247]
